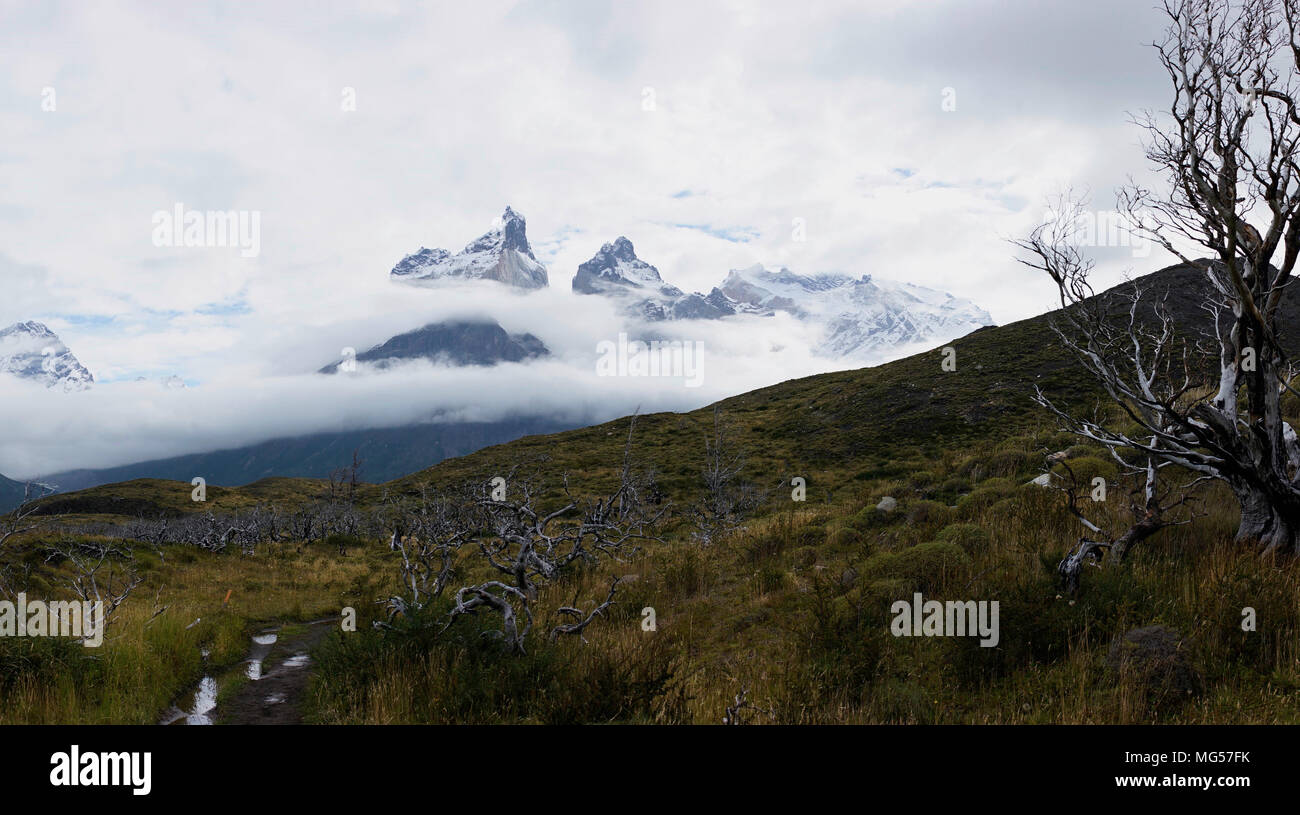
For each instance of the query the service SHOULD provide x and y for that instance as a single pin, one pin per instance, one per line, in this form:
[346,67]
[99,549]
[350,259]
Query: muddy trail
[267,688]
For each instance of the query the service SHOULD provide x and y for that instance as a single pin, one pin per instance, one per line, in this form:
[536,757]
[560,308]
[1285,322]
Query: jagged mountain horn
[501,254]
[616,268]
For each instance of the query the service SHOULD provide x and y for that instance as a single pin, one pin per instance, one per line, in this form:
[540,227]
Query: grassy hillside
[793,609]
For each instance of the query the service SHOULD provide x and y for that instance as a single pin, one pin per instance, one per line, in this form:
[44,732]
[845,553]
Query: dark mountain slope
[11,493]
[834,427]
[853,421]
[388,453]
[454,343]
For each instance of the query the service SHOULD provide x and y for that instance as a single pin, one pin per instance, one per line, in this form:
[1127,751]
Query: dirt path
[274,692]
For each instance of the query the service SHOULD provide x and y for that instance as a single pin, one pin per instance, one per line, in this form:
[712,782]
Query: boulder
[1157,658]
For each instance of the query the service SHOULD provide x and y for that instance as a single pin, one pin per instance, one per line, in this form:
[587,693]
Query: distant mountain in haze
[11,493]
[860,317]
[388,453]
[33,352]
[452,343]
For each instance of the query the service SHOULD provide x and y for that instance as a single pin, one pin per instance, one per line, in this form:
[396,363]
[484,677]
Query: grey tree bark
[1229,149]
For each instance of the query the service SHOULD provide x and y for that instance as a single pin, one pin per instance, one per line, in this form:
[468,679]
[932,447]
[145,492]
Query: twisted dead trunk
[1269,518]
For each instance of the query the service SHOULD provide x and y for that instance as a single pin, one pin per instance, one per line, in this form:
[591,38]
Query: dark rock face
[456,343]
[699,307]
[1157,659]
[514,233]
[616,265]
[420,261]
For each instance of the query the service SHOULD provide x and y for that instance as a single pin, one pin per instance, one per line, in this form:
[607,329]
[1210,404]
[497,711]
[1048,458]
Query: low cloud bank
[253,399]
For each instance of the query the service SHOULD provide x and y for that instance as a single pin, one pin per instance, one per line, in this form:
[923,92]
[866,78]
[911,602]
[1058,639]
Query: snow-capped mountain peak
[501,254]
[863,316]
[32,351]
[616,265]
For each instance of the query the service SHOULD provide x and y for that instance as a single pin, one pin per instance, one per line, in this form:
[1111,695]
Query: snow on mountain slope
[501,254]
[615,271]
[32,351]
[862,316]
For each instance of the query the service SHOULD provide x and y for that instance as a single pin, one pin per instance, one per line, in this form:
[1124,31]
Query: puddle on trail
[200,712]
[297,661]
[257,654]
[204,699]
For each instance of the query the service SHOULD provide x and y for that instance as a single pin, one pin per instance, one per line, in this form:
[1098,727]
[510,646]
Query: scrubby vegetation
[785,604]
[792,608]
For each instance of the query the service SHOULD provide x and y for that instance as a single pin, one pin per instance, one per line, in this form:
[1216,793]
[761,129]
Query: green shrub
[951,488]
[999,483]
[804,557]
[809,535]
[869,518]
[846,538]
[769,578]
[927,567]
[1043,627]
[921,479]
[970,537]
[840,646]
[928,516]
[342,542]
[1087,468]
[973,505]
[885,591]
[1010,463]
[463,676]
[24,658]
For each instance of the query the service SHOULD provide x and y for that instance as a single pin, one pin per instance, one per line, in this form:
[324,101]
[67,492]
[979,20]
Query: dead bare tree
[742,704]
[502,599]
[428,541]
[354,473]
[23,518]
[345,480]
[528,546]
[728,498]
[16,575]
[100,572]
[1153,505]
[1229,148]
[582,621]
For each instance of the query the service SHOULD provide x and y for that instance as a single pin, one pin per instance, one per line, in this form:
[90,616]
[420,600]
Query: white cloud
[764,112]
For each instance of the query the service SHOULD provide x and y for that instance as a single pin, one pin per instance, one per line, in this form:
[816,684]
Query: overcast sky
[763,113]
